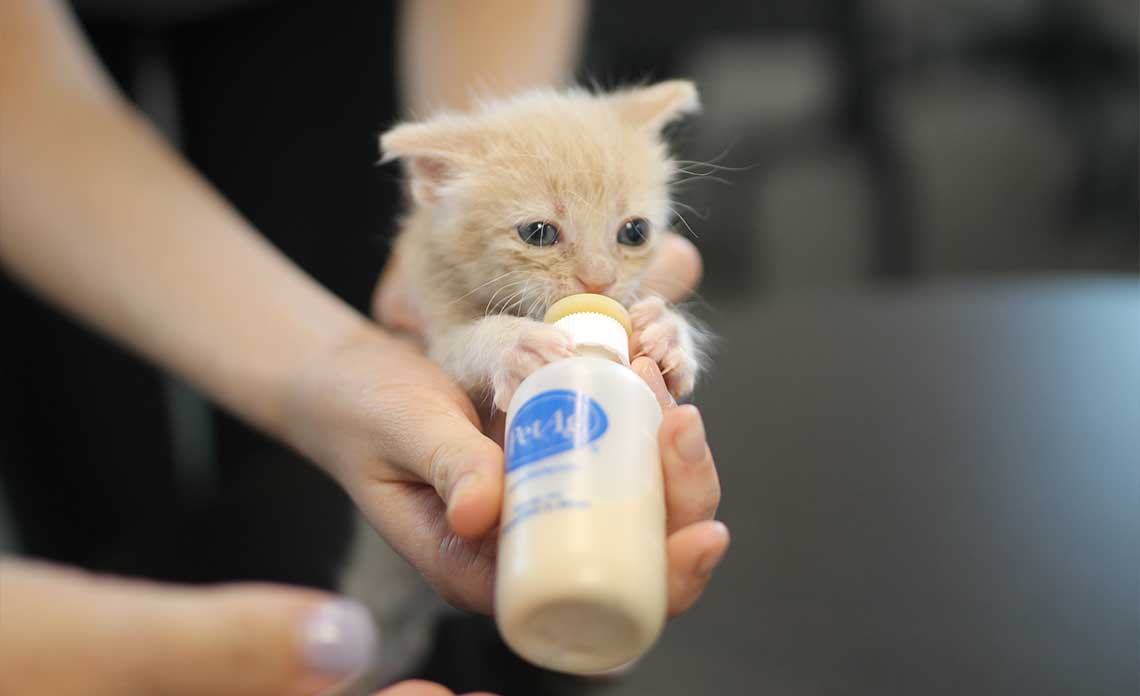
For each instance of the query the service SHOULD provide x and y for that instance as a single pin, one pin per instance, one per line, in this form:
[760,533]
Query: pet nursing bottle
[581,575]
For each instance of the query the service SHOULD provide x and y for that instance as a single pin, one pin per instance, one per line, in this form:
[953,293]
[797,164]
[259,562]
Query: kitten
[531,199]
[515,206]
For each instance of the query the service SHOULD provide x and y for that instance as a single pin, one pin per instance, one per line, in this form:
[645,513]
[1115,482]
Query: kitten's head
[543,195]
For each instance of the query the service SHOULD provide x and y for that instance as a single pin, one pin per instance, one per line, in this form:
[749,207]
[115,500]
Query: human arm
[71,633]
[102,219]
[452,52]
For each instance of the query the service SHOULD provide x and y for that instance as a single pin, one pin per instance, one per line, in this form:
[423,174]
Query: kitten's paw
[666,337]
[536,345]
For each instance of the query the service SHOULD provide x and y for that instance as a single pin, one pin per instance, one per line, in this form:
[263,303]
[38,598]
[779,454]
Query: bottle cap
[594,320]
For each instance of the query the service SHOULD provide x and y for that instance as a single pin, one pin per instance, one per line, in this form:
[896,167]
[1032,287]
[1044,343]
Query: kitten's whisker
[483,285]
[695,172]
[700,177]
[487,309]
[503,305]
[496,293]
[683,221]
[520,300]
[538,300]
[713,162]
[711,167]
[691,209]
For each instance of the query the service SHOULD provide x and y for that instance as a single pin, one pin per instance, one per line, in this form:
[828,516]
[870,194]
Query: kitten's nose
[596,288]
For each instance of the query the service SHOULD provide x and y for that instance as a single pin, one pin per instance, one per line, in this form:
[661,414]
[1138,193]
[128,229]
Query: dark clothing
[279,105]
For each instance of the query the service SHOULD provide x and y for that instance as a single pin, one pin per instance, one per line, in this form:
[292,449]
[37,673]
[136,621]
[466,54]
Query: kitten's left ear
[655,106]
[433,153]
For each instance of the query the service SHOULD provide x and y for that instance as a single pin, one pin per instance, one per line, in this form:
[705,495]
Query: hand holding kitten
[408,446]
[532,199]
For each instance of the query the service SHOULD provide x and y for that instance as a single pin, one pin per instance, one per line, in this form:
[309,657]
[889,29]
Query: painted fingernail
[691,439]
[340,638]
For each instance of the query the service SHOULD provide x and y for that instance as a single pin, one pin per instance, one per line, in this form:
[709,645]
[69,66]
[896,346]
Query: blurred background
[920,228]
[896,140]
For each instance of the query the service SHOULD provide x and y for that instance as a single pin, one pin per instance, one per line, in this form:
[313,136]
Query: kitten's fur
[586,163]
[583,162]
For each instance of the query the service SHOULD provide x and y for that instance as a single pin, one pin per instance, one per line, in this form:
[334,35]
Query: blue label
[553,422]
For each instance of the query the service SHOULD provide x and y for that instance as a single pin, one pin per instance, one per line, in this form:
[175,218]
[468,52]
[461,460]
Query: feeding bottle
[580,585]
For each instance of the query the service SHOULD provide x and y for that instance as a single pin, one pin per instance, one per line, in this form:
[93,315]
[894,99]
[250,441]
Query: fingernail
[691,439]
[340,638]
[709,563]
[712,559]
[465,483]
[649,372]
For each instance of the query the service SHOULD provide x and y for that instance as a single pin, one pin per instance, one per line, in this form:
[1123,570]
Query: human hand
[696,542]
[66,632]
[409,447]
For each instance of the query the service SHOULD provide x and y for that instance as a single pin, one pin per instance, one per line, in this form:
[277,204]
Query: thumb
[466,469]
[250,640]
[69,632]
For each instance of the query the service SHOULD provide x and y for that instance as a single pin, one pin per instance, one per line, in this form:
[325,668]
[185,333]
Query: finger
[693,553]
[258,639]
[392,304]
[466,469]
[69,632]
[415,687]
[439,442]
[676,270]
[648,370]
[692,487]
[411,517]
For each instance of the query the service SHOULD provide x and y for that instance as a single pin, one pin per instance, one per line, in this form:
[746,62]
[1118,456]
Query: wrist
[318,402]
[301,359]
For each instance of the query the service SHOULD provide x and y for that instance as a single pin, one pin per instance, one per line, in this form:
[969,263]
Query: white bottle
[580,585]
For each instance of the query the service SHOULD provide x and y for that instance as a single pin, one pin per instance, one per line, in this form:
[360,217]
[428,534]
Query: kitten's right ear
[654,106]
[432,154]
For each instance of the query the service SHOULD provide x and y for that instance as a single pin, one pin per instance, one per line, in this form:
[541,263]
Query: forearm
[452,52]
[99,217]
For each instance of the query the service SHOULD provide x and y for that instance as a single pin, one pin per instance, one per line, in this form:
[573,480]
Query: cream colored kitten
[529,200]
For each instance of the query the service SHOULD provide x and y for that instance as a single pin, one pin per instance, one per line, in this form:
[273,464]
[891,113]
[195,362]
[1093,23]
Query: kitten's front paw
[664,335]
[536,345]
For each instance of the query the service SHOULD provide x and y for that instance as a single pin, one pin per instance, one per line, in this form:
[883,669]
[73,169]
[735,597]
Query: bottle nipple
[594,321]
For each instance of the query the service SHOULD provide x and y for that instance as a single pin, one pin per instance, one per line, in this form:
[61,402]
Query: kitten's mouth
[608,292]
[535,308]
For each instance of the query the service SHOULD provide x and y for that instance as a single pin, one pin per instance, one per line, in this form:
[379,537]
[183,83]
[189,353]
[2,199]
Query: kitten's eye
[538,233]
[634,232]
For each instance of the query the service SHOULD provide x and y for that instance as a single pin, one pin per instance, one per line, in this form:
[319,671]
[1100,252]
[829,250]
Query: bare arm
[452,51]
[102,219]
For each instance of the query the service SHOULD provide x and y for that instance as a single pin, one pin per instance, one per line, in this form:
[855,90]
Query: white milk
[581,567]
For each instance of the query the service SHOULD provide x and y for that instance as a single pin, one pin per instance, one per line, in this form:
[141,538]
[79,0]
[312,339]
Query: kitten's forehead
[593,148]
[575,152]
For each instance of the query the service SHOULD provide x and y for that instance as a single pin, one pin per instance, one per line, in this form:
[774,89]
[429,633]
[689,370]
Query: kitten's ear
[432,152]
[655,106]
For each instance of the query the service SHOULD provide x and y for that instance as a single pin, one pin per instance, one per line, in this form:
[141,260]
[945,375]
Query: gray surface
[930,493]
